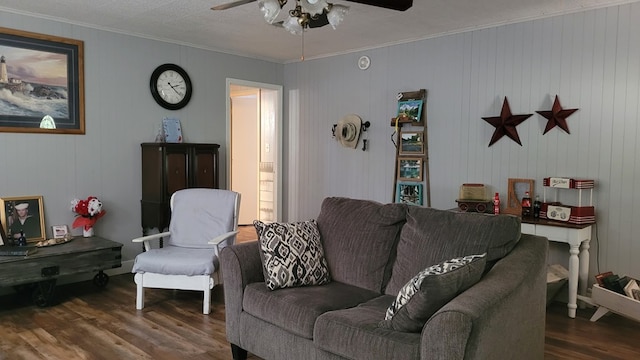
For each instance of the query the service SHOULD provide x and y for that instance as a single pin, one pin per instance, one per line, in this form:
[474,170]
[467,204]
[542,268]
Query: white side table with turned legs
[578,238]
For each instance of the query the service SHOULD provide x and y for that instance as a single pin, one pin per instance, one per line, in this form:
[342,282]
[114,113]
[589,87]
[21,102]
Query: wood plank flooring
[91,323]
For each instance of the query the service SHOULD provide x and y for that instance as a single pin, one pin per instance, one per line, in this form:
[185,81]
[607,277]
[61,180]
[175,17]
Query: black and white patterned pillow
[431,289]
[292,254]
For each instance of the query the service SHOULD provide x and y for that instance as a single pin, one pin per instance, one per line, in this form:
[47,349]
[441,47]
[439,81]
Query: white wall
[591,60]
[120,114]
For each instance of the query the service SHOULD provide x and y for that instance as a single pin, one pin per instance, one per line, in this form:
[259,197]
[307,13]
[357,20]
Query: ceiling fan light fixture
[336,14]
[270,9]
[292,25]
[314,7]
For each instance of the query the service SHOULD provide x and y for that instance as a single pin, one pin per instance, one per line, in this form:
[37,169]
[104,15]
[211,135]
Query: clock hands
[174,88]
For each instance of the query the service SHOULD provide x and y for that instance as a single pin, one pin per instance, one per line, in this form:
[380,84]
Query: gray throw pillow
[431,289]
[291,254]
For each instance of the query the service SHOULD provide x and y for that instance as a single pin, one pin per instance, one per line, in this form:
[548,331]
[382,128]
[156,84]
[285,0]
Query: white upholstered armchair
[203,221]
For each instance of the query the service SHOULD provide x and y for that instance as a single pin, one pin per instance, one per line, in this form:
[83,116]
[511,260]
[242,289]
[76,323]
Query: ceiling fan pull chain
[302,57]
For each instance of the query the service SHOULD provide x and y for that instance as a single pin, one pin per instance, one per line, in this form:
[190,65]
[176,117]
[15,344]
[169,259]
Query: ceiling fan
[312,13]
[400,5]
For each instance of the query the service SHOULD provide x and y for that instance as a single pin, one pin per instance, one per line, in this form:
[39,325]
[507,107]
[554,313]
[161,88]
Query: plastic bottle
[526,205]
[537,205]
[496,204]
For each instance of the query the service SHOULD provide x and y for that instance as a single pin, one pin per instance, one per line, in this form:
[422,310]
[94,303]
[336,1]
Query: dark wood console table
[42,268]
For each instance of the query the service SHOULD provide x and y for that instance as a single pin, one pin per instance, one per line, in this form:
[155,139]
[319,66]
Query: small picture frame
[22,214]
[515,192]
[59,231]
[172,130]
[411,109]
[409,193]
[410,168]
[412,143]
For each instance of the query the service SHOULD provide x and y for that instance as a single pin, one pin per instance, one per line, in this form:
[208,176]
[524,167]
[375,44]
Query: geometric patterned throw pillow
[291,254]
[431,289]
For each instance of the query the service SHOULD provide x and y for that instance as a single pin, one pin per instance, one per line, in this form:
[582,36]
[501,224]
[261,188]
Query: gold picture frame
[53,67]
[30,221]
[515,193]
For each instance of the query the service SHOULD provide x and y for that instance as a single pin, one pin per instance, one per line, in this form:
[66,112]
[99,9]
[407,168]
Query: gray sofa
[372,250]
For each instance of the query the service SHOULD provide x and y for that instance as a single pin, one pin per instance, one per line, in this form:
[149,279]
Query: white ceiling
[242,30]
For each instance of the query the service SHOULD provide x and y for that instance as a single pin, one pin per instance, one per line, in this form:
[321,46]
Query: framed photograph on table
[42,79]
[25,215]
[59,231]
[410,169]
[515,192]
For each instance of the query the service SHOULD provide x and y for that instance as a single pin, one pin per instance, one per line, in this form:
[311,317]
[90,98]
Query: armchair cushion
[169,260]
[431,289]
[292,254]
[194,221]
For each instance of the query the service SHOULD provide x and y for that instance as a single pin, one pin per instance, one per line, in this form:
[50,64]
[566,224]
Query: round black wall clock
[170,86]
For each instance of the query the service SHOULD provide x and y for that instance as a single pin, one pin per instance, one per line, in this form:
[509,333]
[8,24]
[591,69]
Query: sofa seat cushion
[431,236]
[296,309]
[291,254]
[359,239]
[338,331]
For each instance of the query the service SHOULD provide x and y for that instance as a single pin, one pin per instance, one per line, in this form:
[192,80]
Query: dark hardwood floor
[91,323]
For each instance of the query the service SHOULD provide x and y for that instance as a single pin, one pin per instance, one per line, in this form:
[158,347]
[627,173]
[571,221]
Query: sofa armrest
[240,265]
[501,317]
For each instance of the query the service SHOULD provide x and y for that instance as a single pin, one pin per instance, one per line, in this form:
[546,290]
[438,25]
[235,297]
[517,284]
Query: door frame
[278,132]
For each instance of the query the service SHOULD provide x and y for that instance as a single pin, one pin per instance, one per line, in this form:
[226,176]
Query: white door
[254,119]
[245,124]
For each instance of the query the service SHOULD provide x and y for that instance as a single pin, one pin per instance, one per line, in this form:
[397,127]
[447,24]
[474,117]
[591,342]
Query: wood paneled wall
[591,60]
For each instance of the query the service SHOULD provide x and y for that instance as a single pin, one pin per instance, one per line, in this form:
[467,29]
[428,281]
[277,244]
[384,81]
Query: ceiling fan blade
[232,4]
[400,5]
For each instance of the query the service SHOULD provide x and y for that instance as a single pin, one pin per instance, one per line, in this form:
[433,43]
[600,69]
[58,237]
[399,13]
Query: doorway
[254,119]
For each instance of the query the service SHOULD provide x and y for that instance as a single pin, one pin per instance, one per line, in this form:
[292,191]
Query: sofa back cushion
[431,236]
[359,239]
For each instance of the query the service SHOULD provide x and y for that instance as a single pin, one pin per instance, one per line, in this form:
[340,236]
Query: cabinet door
[153,159]
[205,165]
[177,168]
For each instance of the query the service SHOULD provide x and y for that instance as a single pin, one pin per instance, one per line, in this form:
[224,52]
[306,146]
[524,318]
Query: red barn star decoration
[557,116]
[506,123]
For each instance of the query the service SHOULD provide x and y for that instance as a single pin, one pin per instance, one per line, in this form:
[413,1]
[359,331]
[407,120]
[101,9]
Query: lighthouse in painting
[3,70]
[6,82]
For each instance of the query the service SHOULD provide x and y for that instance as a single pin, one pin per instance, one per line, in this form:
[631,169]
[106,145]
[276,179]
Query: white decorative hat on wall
[348,130]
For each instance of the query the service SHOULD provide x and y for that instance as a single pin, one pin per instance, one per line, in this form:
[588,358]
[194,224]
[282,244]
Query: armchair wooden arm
[220,238]
[146,239]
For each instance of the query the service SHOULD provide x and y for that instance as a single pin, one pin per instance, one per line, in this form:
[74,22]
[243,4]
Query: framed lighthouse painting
[42,83]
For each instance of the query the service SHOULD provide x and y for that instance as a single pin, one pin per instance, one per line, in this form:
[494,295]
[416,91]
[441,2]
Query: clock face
[171,86]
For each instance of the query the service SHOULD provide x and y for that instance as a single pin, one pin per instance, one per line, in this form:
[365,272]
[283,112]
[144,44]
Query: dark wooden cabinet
[169,167]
